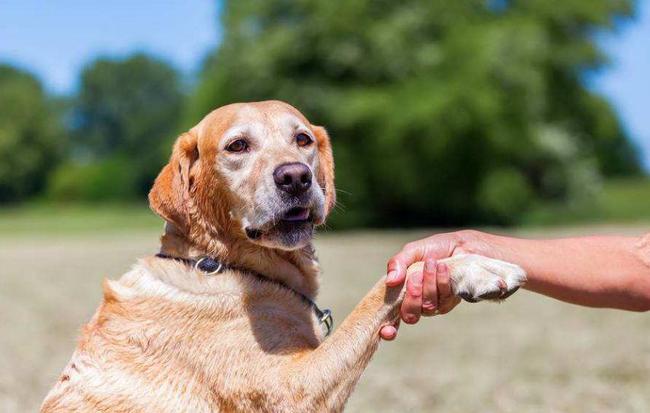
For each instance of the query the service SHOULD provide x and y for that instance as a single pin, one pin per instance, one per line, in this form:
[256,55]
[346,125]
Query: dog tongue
[297,214]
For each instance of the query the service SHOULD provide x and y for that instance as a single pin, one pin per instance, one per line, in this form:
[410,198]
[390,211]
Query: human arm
[596,271]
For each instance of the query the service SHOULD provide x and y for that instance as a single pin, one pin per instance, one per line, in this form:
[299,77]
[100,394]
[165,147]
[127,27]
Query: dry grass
[531,354]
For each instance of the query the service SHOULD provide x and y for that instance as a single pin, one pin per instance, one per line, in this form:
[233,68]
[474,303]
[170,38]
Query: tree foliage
[127,108]
[441,112]
[31,139]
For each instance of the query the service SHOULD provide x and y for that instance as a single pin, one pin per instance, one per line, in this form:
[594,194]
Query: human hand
[428,287]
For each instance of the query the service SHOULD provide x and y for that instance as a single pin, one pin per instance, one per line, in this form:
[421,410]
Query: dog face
[259,170]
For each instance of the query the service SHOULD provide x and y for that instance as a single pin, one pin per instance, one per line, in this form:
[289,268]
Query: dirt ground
[530,354]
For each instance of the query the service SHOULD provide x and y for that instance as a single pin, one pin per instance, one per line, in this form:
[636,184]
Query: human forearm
[592,271]
[609,272]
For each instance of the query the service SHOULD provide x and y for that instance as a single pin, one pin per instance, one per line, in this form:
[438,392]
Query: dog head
[256,170]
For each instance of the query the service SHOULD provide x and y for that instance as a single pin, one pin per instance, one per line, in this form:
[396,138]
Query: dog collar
[211,266]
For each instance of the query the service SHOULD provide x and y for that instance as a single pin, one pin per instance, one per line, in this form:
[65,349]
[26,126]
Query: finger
[398,265]
[389,332]
[429,287]
[412,305]
[446,298]
[443,282]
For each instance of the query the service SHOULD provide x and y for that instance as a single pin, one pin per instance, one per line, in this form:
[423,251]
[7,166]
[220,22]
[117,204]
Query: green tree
[127,109]
[31,140]
[441,112]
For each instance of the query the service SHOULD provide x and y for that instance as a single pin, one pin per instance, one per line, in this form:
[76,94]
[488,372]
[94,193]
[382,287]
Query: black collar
[211,266]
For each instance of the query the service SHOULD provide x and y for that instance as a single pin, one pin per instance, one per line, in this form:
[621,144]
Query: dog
[223,319]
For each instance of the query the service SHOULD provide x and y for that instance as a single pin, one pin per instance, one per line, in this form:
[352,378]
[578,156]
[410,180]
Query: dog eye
[239,145]
[302,139]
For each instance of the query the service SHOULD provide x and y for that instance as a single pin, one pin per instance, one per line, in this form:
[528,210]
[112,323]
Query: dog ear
[325,167]
[170,195]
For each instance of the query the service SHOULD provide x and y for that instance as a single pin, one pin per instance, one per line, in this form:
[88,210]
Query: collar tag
[208,265]
[327,321]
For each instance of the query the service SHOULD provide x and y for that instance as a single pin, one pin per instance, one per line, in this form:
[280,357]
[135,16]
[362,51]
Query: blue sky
[627,81]
[54,39]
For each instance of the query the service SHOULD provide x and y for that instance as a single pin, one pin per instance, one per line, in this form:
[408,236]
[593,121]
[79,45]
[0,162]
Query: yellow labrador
[223,319]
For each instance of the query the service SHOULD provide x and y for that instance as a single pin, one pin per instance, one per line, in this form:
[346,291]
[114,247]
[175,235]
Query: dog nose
[293,178]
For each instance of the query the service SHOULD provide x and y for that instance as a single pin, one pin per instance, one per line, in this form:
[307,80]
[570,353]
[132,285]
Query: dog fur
[169,338]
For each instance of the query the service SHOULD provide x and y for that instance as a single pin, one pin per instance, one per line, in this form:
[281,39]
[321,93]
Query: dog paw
[476,278]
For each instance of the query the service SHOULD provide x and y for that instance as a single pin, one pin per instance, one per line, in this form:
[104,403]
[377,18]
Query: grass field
[530,354]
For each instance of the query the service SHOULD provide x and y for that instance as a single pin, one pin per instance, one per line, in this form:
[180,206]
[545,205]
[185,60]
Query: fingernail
[388,333]
[441,267]
[428,306]
[392,276]
[430,265]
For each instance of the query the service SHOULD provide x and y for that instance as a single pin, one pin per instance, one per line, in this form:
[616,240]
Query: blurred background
[523,116]
[482,112]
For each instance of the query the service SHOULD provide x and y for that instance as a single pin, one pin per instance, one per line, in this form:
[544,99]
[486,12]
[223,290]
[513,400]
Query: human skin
[595,271]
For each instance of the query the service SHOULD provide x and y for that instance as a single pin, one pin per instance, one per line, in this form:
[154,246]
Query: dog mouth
[294,220]
[296,215]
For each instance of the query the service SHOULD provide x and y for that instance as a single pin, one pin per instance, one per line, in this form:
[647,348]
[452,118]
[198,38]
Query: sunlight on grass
[71,219]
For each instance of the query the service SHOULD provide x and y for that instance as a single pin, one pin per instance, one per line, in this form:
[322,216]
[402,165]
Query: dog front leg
[327,374]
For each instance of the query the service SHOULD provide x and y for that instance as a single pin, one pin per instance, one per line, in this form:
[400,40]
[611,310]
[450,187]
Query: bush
[103,181]
[129,108]
[31,140]
[505,195]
